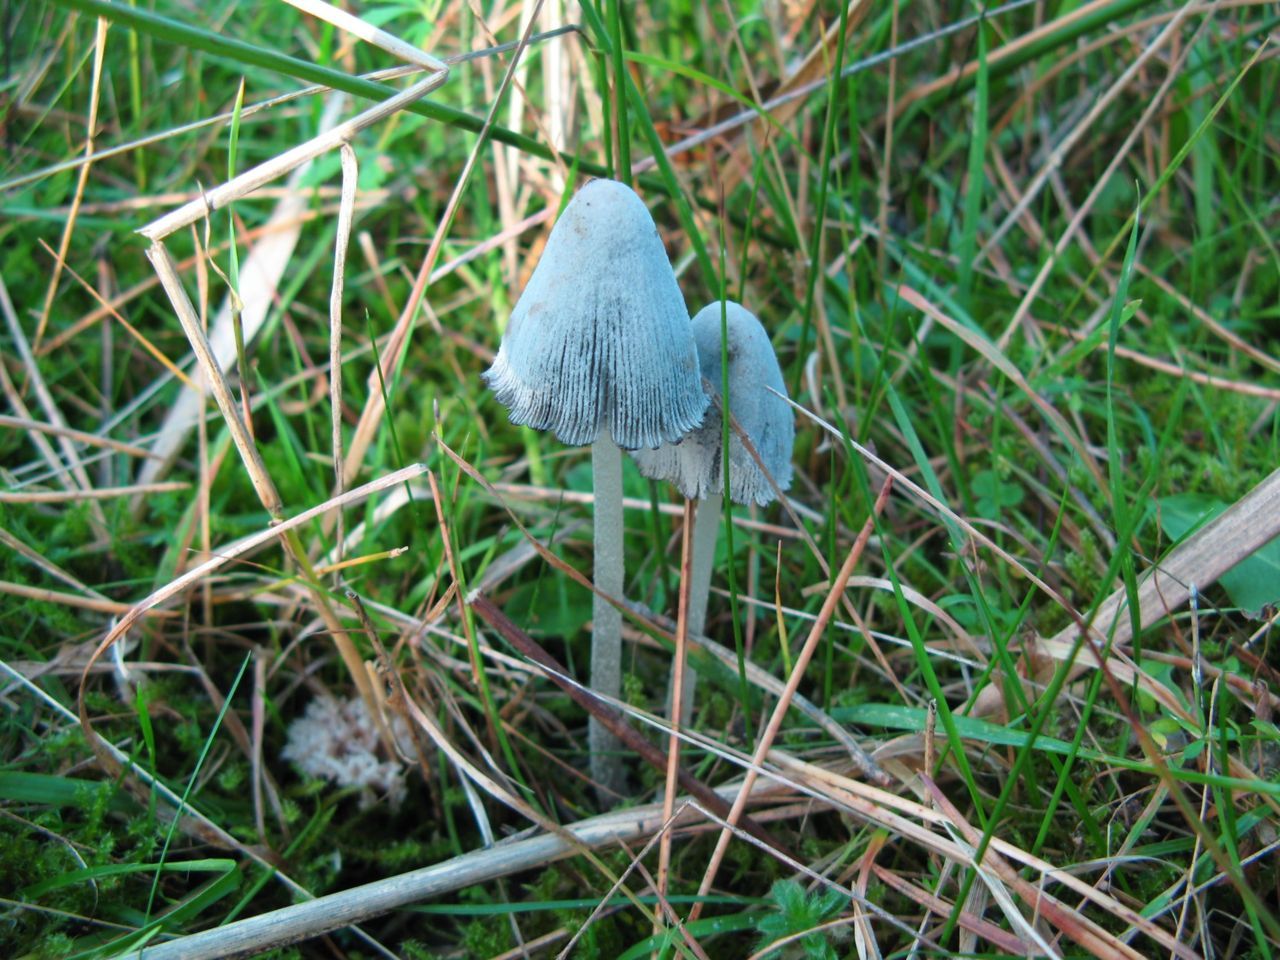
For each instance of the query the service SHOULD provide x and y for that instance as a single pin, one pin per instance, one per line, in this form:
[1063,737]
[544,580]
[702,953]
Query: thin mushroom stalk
[706,531]
[599,350]
[696,464]
[606,619]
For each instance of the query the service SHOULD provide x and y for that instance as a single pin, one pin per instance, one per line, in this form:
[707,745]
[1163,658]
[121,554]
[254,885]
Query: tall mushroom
[695,464]
[599,350]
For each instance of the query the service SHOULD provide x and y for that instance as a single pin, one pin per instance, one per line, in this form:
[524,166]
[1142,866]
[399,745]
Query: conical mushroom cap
[695,464]
[600,339]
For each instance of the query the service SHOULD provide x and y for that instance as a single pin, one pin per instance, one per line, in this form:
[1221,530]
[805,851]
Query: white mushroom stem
[606,631]
[737,364]
[706,530]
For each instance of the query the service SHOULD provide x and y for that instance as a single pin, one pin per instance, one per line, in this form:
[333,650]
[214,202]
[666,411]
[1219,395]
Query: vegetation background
[1022,259]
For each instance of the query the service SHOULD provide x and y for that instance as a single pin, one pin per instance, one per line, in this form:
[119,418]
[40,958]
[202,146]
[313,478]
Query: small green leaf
[1163,731]
[993,494]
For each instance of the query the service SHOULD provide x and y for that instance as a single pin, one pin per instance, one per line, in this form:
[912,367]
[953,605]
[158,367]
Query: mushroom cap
[600,339]
[695,464]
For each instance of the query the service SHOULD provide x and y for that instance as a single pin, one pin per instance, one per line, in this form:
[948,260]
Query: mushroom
[695,464]
[599,350]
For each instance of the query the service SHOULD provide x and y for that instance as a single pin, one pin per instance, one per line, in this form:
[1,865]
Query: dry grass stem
[759,677]
[95,493]
[1247,387]
[166,270]
[79,436]
[282,531]
[96,604]
[247,545]
[346,213]
[677,694]
[993,355]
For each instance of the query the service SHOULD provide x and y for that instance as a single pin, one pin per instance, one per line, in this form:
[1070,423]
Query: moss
[53,945]
[416,950]
[487,937]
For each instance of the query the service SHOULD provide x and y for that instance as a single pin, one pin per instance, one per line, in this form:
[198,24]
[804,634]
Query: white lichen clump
[337,740]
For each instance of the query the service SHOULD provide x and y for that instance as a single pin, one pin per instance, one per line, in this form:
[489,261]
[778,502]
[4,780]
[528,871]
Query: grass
[1020,261]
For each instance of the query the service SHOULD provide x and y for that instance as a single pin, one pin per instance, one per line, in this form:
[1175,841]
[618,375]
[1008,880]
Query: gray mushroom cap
[600,338]
[695,464]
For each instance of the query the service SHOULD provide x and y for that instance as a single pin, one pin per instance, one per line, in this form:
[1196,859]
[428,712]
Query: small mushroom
[696,464]
[600,341]
[599,350]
